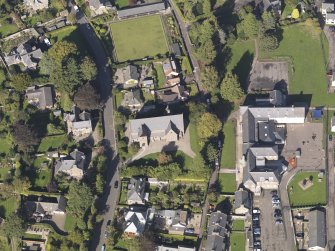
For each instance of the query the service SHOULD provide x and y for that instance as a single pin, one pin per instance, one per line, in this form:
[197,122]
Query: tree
[248,27]
[230,88]
[206,7]
[76,237]
[62,49]
[269,42]
[206,52]
[21,184]
[87,98]
[21,82]
[209,125]
[88,69]
[24,135]
[80,199]
[13,226]
[196,110]
[164,158]
[70,77]
[211,153]
[295,14]
[99,183]
[210,78]
[268,21]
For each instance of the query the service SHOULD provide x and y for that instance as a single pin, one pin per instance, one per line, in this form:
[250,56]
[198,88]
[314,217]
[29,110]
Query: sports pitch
[139,38]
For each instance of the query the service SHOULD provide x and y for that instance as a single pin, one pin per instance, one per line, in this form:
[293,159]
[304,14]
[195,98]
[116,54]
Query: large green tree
[210,78]
[25,135]
[21,81]
[230,88]
[62,49]
[248,27]
[206,6]
[207,52]
[211,153]
[80,199]
[268,21]
[13,226]
[269,41]
[88,69]
[208,125]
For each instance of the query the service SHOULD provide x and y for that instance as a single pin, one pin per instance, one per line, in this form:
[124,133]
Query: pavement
[108,201]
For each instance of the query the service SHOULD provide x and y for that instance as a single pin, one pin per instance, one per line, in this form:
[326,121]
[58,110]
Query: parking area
[271,224]
[307,137]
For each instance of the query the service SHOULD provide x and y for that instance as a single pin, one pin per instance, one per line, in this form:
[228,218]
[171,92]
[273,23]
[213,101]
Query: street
[108,201]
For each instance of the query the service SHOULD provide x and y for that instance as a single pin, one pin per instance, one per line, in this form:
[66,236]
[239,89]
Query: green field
[237,241]
[160,75]
[238,225]
[139,38]
[229,145]
[8,206]
[308,69]
[6,27]
[3,172]
[52,142]
[70,223]
[227,183]
[121,3]
[314,195]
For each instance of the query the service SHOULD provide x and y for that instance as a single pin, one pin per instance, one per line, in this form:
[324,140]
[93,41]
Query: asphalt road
[108,201]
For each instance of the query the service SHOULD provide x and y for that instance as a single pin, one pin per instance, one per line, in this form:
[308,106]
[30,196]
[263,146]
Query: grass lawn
[52,142]
[7,28]
[309,71]
[123,196]
[314,195]
[3,172]
[70,223]
[5,145]
[242,54]
[128,244]
[121,3]
[238,225]
[160,75]
[8,206]
[139,38]
[229,145]
[237,241]
[42,178]
[227,183]
[32,236]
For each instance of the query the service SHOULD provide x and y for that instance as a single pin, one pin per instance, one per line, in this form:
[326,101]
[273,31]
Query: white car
[256,211]
[75,7]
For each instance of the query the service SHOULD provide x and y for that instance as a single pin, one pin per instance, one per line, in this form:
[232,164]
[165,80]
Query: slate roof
[132,98]
[131,72]
[156,126]
[136,189]
[176,49]
[242,198]
[135,222]
[217,224]
[330,16]
[329,7]
[37,4]
[140,10]
[317,228]
[45,205]
[40,97]
[179,248]
[75,158]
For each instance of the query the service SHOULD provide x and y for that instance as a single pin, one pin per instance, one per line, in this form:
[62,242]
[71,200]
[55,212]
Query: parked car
[279,221]
[103,247]
[219,144]
[275,196]
[116,184]
[257,230]
[217,163]
[274,192]
[277,213]
[256,224]
[275,200]
[75,7]
[300,235]
[256,210]
[255,217]
[276,205]
[330,137]
[257,243]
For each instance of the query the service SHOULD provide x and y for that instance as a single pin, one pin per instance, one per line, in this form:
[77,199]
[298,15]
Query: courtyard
[139,38]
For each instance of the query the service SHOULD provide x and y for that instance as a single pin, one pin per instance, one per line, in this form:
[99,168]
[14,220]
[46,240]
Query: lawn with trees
[228,155]
[237,241]
[148,33]
[313,195]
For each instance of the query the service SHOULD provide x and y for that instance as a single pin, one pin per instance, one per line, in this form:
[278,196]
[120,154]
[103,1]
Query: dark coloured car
[330,137]
[116,184]
[300,235]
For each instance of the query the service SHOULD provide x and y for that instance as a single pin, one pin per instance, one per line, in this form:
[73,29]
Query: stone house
[40,97]
[73,165]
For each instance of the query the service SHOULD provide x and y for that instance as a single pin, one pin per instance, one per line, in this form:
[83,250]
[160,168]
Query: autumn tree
[230,88]
[164,158]
[21,81]
[208,125]
[87,98]
[88,69]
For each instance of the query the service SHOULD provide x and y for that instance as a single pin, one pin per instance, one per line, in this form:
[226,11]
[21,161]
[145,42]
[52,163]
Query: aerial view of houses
[167,125]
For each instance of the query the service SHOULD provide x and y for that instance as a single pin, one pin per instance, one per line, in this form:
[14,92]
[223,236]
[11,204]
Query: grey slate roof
[131,72]
[176,49]
[75,158]
[44,206]
[136,190]
[156,126]
[242,198]
[317,228]
[329,7]
[217,224]
[132,98]
[140,10]
[40,97]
